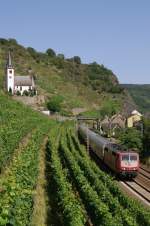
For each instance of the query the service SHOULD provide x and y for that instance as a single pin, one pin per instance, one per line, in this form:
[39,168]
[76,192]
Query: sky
[115,33]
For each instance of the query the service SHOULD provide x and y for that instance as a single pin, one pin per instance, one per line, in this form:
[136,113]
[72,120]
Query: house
[133,118]
[17,83]
[110,125]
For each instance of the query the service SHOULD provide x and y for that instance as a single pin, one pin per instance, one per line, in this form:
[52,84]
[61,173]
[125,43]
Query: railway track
[143,179]
[137,190]
[140,186]
[145,173]
[143,167]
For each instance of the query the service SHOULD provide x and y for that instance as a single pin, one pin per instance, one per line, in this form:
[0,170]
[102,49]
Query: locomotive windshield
[129,157]
[133,158]
[125,158]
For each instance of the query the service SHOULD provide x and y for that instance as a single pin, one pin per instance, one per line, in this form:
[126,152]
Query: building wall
[21,89]
[46,112]
[132,119]
[10,79]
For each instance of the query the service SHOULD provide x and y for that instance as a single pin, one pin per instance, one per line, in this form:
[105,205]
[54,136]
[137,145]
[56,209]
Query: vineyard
[51,180]
[84,194]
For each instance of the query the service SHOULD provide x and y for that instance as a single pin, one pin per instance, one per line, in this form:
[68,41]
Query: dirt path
[39,216]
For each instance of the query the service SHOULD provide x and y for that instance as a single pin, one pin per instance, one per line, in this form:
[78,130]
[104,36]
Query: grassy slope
[82,86]
[141,95]
[16,121]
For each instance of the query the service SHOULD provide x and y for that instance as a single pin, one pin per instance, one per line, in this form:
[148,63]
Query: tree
[61,56]
[3,41]
[32,52]
[55,103]
[18,93]
[146,136]
[12,41]
[110,108]
[50,52]
[25,93]
[131,138]
[77,59]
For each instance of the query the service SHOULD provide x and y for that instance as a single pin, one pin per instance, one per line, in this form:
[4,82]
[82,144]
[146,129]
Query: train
[124,163]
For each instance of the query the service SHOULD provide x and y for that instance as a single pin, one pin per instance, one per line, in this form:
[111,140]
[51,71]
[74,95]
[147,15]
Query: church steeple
[9,61]
[9,74]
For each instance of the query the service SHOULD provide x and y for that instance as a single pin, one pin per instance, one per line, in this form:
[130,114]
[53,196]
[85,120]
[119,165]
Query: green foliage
[18,93]
[141,95]
[131,138]
[56,75]
[82,190]
[93,113]
[3,41]
[18,185]
[55,103]
[98,210]
[110,108]
[16,121]
[50,52]
[72,211]
[19,167]
[10,91]
[12,41]
[122,216]
[146,137]
[102,79]
[132,213]
[25,93]
[32,51]
[77,59]
[61,56]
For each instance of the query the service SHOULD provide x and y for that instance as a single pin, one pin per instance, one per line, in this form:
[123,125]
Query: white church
[17,83]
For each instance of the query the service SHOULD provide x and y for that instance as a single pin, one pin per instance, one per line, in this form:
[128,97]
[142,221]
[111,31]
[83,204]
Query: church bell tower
[9,75]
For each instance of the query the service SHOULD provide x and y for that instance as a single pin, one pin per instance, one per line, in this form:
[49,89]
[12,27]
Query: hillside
[46,175]
[32,170]
[140,95]
[81,87]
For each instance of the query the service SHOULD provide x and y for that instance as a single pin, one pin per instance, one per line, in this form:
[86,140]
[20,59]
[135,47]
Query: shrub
[3,41]
[61,56]
[50,52]
[10,91]
[55,103]
[77,59]
[131,138]
[25,93]
[18,93]
[110,108]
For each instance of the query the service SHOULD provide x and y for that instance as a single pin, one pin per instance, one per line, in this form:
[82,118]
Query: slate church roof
[24,81]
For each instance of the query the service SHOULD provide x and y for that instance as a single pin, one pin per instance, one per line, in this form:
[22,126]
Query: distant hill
[140,95]
[80,87]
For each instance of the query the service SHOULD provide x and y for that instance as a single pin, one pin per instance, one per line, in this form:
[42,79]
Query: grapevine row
[142,216]
[73,214]
[18,186]
[16,121]
[117,211]
[97,210]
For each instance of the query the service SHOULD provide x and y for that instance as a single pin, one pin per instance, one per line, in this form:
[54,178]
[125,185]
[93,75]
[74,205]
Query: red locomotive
[123,163]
